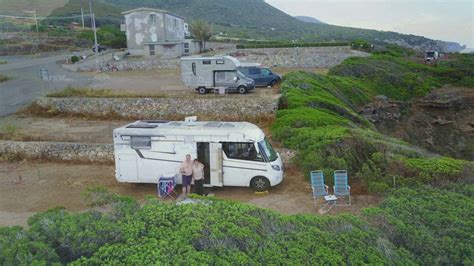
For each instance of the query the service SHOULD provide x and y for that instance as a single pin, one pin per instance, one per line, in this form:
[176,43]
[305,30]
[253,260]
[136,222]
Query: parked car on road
[100,48]
[261,75]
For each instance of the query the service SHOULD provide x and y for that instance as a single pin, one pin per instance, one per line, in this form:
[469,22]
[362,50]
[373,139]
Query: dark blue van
[261,75]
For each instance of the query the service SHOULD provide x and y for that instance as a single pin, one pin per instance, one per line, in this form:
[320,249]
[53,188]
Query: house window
[241,151]
[220,62]
[186,48]
[206,62]
[152,18]
[152,49]
[140,142]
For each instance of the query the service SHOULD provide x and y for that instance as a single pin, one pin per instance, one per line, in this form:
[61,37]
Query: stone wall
[75,152]
[155,108]
[313,57]
[59,151]
[131,64]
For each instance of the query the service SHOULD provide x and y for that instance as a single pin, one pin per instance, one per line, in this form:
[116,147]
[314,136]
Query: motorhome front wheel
[260,183]
[242,90]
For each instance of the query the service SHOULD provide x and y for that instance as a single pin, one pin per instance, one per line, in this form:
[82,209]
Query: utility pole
[82,16]
[96,48]
[95,32]
[36,21]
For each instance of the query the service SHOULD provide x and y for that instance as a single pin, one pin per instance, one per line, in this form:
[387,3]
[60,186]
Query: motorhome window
[220,62]
[241,151]
[164,147]
[206,62]
[152,18]
[254,71]
[140,142]
[266,148]
[194,68]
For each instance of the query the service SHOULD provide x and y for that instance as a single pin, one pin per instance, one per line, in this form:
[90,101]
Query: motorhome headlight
[276,167]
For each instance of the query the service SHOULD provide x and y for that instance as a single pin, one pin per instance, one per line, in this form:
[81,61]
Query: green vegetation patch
[420,225]
[400,78]
[435,225]
[209,232]
[318,119]
[3,78]
[99,93]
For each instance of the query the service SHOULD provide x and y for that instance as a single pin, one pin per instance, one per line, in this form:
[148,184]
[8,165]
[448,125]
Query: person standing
[186,169]
[198,176]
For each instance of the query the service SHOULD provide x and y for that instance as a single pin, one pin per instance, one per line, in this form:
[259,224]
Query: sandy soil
[58,129]
[27,188]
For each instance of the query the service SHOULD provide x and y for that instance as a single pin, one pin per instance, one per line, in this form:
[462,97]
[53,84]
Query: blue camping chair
[317,185]
[341,186]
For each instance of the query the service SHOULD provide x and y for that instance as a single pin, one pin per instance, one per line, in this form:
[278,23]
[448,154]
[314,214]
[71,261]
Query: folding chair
[341,186]
[166,186]
[317,185]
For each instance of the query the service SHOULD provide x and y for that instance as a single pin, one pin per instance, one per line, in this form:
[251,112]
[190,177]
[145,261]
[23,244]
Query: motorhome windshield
[240,74]
[268,150]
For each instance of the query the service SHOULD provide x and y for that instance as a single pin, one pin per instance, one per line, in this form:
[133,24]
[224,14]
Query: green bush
[210,232]
[75,59]
[108,35]
[433,224]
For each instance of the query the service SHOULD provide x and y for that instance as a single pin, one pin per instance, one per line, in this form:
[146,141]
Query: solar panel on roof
[142,126]
[213,124]
[228,125]
[156,121]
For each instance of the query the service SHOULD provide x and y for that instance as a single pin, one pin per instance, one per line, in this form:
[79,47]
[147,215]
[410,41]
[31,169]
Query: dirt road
[27,188]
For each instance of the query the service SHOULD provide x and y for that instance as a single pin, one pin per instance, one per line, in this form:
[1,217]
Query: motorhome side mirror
[236,79]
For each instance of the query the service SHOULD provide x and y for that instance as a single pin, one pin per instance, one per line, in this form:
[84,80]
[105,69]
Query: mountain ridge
[258,20]
[308,19]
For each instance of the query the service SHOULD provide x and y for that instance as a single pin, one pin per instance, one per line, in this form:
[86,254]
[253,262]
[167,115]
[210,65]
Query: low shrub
[75,59]
[435,225]
[3,78]
[210,231]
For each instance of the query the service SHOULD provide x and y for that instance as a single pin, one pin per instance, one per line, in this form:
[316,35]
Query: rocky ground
[442,121]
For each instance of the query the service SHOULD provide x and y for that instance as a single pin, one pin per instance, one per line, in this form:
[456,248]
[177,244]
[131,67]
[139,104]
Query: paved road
[25,83]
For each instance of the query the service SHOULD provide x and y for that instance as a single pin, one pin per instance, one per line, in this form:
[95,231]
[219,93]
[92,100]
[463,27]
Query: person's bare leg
[189,189]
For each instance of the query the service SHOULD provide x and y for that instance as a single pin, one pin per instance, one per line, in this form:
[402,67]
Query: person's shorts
[187,179]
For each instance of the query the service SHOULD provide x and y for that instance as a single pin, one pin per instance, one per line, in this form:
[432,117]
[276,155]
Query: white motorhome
[233,153]
[205,74]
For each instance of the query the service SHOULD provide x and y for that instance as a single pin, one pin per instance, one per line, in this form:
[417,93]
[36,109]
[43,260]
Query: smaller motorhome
[204,74]
[233,153]
[431,56]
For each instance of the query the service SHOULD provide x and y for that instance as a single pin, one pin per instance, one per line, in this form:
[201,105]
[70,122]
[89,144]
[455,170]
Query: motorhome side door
[215,152]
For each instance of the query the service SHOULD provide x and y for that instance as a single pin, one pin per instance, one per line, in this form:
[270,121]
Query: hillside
[251,19]
[309,19]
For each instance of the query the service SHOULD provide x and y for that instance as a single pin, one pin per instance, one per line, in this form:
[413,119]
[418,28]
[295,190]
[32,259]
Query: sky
[447,20]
